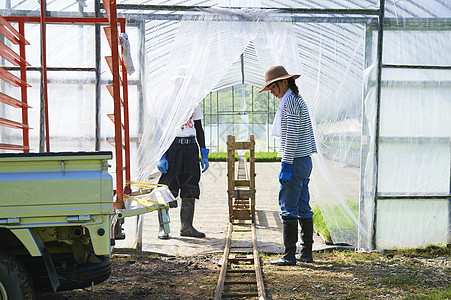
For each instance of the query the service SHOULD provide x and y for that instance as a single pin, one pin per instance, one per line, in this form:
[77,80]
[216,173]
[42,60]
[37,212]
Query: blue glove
[204,159]
[163,164]
[285,174]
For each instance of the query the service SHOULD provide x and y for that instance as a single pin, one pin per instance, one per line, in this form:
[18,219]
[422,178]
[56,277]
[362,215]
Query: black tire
[15,282]
[80,276]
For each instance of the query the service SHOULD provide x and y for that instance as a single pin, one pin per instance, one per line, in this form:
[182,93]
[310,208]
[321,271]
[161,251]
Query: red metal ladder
[17,38]
[120,117]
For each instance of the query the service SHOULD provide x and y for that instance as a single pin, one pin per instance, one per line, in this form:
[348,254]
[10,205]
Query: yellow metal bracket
[158,198]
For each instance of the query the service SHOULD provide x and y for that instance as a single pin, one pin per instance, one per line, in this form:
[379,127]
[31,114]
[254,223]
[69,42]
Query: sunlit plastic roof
[406,9]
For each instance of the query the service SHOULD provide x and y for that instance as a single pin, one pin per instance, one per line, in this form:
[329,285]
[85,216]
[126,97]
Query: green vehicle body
[56,214]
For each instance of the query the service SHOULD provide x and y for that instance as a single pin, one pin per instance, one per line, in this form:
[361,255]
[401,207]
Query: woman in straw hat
[293,127]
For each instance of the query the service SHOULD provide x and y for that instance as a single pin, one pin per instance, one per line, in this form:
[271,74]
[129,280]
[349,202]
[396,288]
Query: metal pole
[98,75]
[380,39]
[141,78]
[242,68]
[363,241]
[44,95]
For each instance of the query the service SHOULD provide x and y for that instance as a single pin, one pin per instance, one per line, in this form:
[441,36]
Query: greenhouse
[374,73]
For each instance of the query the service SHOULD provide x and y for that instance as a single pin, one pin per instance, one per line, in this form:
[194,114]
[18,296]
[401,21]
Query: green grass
[353,257]
[263,156]
[340,215]
[428,251]
[259,156]
[399,280]
[219,156]
[435,294]
[320,225]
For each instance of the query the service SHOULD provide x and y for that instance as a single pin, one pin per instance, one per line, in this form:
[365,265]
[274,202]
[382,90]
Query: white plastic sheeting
[409,172]
[202,54]
[381,178]
[205,50]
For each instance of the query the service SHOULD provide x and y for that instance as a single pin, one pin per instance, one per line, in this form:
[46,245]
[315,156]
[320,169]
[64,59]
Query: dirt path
[333,275]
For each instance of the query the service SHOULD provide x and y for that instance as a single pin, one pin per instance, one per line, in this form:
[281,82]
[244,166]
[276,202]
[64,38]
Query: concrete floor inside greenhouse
[211,216]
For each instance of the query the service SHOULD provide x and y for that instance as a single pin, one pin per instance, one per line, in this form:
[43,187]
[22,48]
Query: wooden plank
[11,33]
[230,161]
[230,172]
[225,262]
[258,269]
[12,101]
[241,194]
[241,201]
[241,145]
[241,271]
[241,259]
[10,78]
[252,174]
[240,182]
[242,206]
[242,215]
[240,295]
[239,282]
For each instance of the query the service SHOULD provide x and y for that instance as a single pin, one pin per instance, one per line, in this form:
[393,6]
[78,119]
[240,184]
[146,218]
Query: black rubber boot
[290,238]
[186,219]
[161,234]
[305,255]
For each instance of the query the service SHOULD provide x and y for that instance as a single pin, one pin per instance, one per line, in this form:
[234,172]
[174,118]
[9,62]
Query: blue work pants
[294,198]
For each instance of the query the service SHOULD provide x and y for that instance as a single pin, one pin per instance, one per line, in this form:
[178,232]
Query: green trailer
[56,221]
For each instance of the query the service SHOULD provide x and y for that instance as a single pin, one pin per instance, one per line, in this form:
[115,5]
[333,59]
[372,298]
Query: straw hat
[274,74]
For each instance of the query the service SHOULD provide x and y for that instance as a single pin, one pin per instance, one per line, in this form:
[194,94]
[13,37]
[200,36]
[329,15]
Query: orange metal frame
[117,67]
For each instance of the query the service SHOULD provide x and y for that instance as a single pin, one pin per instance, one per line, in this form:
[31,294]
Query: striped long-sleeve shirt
[297,139]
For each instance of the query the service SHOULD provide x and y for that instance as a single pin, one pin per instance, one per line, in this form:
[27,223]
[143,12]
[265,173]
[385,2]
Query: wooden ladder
[241,186]
[241,274]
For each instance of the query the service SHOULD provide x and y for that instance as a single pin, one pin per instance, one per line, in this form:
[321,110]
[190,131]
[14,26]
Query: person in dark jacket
[180,170]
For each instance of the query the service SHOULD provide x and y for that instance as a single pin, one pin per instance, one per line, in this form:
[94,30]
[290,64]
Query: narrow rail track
[241,273]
